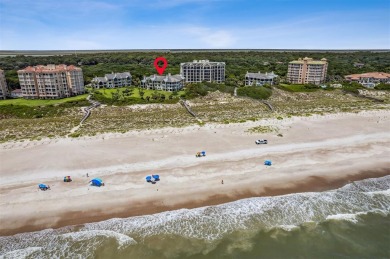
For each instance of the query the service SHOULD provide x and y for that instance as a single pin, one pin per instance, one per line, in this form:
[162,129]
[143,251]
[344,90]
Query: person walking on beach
[222,182]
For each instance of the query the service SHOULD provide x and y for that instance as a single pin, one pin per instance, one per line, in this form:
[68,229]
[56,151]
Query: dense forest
[237,63]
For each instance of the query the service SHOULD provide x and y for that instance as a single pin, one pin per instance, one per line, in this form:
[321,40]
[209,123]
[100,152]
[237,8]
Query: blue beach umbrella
[267,162]
[97,182]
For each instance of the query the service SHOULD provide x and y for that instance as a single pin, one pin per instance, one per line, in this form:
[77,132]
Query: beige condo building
[3,86]
[203,70]
[307,71]
[51,81]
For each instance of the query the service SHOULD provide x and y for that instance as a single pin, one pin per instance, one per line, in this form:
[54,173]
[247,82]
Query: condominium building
[51,81]
[17,93]
[307,71]
[112,80]
[167,83]
[3,86]
[203,70]
[259,79]
[369,80]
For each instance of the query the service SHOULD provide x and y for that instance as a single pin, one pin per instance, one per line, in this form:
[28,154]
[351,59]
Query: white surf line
[190,160]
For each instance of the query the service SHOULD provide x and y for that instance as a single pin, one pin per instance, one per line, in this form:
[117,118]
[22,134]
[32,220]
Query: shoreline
[316,153]
[312,184]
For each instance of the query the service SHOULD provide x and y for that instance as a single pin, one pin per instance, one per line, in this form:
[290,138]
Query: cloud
[85,24]
[211,38]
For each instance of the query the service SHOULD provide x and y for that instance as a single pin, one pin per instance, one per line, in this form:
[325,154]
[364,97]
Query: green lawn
[26,102]
[297,88]
[108,92]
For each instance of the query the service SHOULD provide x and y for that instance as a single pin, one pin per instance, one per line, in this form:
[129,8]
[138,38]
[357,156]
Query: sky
[194,24]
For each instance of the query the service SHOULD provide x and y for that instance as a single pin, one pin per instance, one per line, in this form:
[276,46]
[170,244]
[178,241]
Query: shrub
[255,92]
[382,86]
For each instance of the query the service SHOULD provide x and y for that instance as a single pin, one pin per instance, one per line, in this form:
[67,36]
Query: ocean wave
[21,253]
[347,217]
[122,239]
[212,223]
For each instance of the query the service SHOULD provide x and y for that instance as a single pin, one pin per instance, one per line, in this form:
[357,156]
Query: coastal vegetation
[133,108]
[237,63]
[255,92]
[299,87]
[40,102]
[134,95]
[215,107]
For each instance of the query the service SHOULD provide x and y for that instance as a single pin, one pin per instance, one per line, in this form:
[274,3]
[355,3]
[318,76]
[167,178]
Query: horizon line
[192,49]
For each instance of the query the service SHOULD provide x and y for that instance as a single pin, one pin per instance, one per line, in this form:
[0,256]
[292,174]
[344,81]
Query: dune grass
[216,107]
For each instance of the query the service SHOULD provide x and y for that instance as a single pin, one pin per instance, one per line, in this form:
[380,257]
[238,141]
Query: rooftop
[309,61]
[377,75]
[205,61]
[50,68]
[261,75]
[168,78]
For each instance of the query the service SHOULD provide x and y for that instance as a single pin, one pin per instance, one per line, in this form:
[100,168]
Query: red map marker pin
[160,70]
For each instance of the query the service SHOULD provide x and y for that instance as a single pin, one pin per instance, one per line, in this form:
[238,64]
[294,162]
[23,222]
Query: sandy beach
[314,153]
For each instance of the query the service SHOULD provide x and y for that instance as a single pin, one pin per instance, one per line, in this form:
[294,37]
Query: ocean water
[349,222]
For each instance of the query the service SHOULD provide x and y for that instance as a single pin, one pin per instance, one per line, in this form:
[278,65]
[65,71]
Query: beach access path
[315,153]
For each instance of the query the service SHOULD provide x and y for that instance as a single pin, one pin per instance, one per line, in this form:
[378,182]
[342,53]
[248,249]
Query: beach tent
[267,162]
[156,177]
[67,179]
[97,182]
[148,178]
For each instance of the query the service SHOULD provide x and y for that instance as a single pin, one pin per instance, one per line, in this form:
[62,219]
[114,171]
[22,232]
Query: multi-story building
[17,93]
[3,86]
[369,80]
[259,79]
[307,71]
[112,80]
[203,70]
[51,81]
[167,83]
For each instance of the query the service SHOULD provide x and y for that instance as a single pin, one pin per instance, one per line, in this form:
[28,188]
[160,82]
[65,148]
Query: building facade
[369,80]
[112,80]
[203,70]
[3,86]
[259,79]
[307,71]
[167,83]
[51,81]
[17,93]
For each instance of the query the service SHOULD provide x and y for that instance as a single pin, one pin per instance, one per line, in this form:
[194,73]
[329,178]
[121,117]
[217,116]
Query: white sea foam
[214,222]
[346,217]
[123,240]
[288,227]
[21,253]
